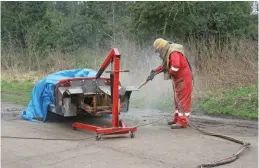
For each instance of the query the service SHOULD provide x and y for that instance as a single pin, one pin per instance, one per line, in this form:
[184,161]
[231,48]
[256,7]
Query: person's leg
[174,119]
[184,97]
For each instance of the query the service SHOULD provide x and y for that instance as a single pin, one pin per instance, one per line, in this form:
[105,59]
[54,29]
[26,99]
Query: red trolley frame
[118,127]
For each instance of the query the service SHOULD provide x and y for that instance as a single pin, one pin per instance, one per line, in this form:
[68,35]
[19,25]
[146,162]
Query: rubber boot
[174,120]
[171,122]
[176,126]
[181,123]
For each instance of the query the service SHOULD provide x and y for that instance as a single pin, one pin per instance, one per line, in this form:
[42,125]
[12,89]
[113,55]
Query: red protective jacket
[182,80]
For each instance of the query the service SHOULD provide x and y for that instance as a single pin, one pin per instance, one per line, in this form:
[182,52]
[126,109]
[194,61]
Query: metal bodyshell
[87,96]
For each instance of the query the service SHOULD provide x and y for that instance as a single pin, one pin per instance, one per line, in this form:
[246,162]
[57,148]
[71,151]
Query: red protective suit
[182,80]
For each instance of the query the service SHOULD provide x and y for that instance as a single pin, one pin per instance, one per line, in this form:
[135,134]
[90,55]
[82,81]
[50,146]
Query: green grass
[16,92]
[22,100]
[17,86]
[237,103]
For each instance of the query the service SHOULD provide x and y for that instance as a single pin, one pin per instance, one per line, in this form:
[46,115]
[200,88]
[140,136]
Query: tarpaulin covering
[43,92]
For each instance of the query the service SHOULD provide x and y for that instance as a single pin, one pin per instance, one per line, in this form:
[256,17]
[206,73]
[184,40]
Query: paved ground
[154,145]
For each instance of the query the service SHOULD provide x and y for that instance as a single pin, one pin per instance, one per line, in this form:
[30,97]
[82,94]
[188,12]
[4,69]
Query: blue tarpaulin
[43,92]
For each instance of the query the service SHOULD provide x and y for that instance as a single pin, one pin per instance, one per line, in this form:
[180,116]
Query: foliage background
[220,38]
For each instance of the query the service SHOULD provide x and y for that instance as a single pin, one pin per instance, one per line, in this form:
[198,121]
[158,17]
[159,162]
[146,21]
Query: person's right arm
[158,69]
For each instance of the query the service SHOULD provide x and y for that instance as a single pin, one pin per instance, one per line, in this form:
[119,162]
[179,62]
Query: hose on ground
[226,160]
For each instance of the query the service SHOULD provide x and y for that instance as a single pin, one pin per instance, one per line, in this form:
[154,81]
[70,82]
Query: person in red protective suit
[176,68]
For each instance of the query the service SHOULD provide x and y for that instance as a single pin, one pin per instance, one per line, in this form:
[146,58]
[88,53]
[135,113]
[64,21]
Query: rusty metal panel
[88,86]
[106,89]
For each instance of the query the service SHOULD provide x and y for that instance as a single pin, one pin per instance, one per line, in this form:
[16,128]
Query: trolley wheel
[98,137]
[74,128]
[132,135]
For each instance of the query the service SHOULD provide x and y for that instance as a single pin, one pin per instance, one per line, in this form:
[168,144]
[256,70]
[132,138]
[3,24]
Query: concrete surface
[155,145]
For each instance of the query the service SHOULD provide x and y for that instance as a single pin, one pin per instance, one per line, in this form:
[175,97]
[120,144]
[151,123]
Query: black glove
[151,75]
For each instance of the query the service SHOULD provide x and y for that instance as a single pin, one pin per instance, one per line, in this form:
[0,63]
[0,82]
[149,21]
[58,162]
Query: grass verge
[236,103]
[16,91]
[239,103]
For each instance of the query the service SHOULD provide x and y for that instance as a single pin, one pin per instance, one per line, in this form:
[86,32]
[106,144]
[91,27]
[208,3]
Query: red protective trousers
[182,84]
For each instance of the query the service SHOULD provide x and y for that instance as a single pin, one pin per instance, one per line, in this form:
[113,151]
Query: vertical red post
[115,107]
[117,126]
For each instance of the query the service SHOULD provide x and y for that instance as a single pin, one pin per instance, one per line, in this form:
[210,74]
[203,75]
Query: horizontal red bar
[116,130]
[116,133]
[105,131]
[85,126]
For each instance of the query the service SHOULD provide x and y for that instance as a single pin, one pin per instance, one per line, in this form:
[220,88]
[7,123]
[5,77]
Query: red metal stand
[118,127]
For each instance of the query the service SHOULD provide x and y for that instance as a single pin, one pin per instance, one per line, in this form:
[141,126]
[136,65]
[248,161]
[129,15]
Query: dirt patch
[12,93]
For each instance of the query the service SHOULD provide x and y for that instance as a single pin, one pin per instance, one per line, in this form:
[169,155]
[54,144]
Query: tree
[17,19]
[199,19]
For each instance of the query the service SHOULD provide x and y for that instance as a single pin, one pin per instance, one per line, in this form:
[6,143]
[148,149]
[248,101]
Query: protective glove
[151,75]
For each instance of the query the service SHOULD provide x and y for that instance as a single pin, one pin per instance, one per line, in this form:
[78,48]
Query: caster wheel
[98,137]
[132,135]
[74,128]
